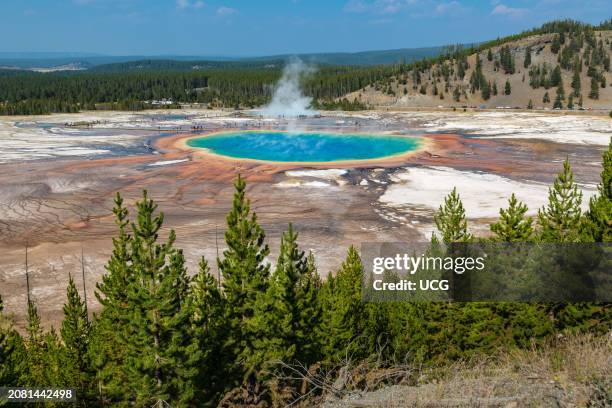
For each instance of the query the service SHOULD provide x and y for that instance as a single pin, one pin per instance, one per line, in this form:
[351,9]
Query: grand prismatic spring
[277,146]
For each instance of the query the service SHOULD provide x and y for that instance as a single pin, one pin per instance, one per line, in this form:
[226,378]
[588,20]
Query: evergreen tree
[36,363]
[546,98]
[107,340]
[457,94]
[342,323]
[245,275]
[208,310]
[560,219]
[513,226]
[13,359]
[451,220]
[75,331]
[489,55]
[594,94]
[576,82]
[527,61]
[555,76]
[309,314]
[486,90]
[507,59]
[561,91]
[161,351]
[54,357]
[530,104]
[599,215]
[276,317]
[556,44]
[494,87]
[287,315]
[507,88]
[12,352]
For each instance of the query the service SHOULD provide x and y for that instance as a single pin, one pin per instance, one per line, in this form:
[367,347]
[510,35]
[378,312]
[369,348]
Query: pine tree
[55,356]
[561,91]
[287,314]
[161,352]
[75,331]
[207,319]
[599,215]
[594,94]
[486,90]
[276,317]
[107,340]
[342,323]
[576,82]
[245,274]
[489,55]
[10,342]
[36,346]
[546,98]
[560,219]
[457,94]
[507,88]
[513,226]
[507,60]
[555,76]
[527,61]
[530,104]
[309,314]
[451,220]
[556,44]
[494,87]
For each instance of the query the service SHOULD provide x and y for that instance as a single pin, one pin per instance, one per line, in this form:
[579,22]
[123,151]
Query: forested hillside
[35,93]
[561,65]
[262,335]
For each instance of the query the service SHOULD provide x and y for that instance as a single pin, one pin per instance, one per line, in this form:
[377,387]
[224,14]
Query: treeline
[254,336]
[35,93]
[342,104]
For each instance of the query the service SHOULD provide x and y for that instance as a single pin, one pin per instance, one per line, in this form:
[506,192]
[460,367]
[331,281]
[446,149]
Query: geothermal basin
[337,187]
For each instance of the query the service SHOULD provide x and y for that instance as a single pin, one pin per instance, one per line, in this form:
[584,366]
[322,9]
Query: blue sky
[258,27]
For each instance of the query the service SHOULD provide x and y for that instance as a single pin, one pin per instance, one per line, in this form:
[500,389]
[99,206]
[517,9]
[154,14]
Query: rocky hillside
[566,70]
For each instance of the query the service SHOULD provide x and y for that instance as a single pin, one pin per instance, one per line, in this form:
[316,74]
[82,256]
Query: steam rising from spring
[288,99]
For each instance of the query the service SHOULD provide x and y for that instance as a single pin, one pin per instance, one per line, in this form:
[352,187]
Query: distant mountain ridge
[374,57]
[104,63]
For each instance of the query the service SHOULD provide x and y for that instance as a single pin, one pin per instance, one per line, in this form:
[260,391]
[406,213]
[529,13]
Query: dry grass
[572,371]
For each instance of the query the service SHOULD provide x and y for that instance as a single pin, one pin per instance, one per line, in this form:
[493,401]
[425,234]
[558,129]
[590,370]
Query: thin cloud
[394,6]
[452,6]
[382,21]
[224,11]
[512,12]
[355,6]
[185,4]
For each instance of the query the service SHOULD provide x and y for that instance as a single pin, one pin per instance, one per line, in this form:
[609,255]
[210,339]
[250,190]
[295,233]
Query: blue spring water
[304,147]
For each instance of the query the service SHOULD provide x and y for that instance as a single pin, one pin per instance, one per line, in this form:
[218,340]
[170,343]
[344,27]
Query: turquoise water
[304,147]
